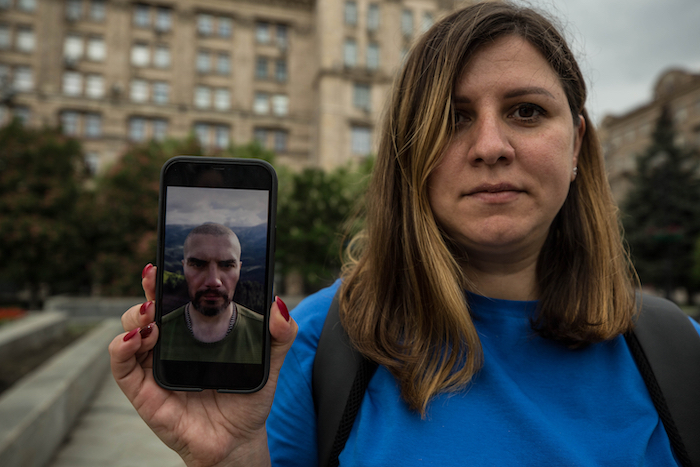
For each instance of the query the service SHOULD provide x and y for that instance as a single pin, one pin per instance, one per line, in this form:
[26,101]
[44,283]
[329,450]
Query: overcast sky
[233,208]
[624,45]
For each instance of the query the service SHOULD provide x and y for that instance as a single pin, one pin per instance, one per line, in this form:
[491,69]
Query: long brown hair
[402,298]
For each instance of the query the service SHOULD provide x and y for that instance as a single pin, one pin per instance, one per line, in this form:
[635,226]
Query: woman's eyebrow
[519,92]
[528,91]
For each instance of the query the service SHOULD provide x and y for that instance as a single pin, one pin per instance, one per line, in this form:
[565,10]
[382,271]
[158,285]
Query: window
[160,129]
[140,55]
[26,5]
[93,125]
[72,83]
[203,61]
[201,131]
[361,96]
[407,22]
[281,70]
[222,99]
[25,39]
[280,141]
[350,53]
[223,63]
[74,9]
[261,68]
[97,10]
[163,19]
[262,33]
[217,134]
[427,21]
[205,24]
[261,104]
[202,97]
[142,16]
[161,91]
[221,136]
[24,79]
[373,56]
[282,36]
[225,26]
[73,47]
[280,105]
[350,12]
[137,129]
[161,56]
[4,74]
[260,135]
[139,90]
[5,37]
[96,49]
[23,113]
[69,123]
[373,17]
[360,140]
[92,162]
[94,86]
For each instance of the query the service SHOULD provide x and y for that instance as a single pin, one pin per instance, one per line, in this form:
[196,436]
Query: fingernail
[131,334]
[283,308]
[145,270]
[145,332]
[144,307]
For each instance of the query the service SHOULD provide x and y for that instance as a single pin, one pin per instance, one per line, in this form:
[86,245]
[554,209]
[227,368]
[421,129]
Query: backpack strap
[340,378]
[666,348]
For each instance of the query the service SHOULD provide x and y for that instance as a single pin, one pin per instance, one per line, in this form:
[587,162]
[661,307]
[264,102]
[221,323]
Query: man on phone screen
[211,326]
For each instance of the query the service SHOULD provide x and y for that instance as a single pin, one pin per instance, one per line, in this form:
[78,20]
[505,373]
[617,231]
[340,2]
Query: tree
[41,180]
[313,209]
[662,212]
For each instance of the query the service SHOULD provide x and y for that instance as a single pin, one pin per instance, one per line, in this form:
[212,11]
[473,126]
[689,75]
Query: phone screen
[215,274]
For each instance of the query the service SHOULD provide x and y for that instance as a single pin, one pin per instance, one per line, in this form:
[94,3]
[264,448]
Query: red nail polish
[145,270]
[283,308]
[145,332]
[131,334]
[144,307]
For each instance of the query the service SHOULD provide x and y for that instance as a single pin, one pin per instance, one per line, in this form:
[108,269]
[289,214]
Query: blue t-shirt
[534,402]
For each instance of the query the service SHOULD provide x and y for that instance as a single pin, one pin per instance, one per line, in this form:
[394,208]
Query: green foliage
[313,209]
[41,173]
[55,231]
[662,213]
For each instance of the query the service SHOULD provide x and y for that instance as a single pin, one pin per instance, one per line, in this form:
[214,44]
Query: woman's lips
[495,193]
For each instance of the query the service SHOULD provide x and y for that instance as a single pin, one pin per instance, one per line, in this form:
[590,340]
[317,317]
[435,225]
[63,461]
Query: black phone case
[248,174]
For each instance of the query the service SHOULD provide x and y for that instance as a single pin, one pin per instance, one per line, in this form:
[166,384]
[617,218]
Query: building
[305,78]
[626,136]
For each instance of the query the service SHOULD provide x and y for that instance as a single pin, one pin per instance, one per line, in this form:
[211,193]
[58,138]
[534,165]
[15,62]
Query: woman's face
[506,172]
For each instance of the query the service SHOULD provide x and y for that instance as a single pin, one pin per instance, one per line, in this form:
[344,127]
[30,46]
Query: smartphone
[216,238]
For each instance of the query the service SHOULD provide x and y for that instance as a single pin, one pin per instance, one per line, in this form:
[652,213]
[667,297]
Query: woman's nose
[490,143]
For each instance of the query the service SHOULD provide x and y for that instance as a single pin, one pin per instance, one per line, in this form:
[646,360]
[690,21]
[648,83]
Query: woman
[488,179]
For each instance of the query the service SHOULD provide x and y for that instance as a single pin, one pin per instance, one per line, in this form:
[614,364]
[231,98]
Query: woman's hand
[205,428]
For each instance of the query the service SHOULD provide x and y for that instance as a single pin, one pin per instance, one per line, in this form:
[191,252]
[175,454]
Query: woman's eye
[528,112]
[460,117]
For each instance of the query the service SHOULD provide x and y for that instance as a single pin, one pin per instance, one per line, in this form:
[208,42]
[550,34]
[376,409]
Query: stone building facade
[626,136]
[305,78]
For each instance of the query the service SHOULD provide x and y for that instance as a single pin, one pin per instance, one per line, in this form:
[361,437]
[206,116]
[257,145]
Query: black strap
[666,347]
[340,378]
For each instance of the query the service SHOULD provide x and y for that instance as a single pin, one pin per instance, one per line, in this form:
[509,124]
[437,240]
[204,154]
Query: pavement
[111,434]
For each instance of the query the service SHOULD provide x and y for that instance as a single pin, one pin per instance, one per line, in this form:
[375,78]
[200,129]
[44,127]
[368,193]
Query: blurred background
[96,94]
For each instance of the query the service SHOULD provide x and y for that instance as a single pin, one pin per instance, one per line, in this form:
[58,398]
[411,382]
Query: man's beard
[197,303]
